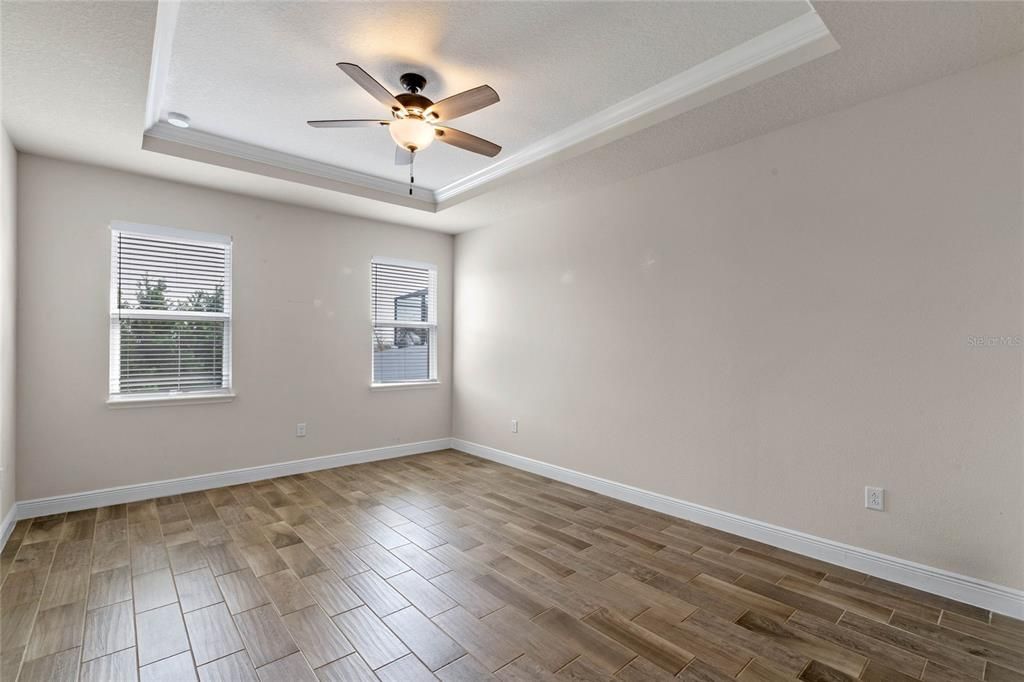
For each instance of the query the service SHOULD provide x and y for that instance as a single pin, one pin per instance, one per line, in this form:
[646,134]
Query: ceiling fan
[414,117]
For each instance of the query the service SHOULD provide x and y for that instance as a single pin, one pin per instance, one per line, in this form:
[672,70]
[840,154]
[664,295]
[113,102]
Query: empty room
[511,340]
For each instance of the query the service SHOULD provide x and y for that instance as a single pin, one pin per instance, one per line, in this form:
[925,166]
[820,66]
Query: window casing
[170,314]
[403,300]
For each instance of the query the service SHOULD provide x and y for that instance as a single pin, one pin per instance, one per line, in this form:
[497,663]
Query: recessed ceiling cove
[572,76]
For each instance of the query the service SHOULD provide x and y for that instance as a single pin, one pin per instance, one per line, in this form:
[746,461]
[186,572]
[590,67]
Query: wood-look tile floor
[448,566]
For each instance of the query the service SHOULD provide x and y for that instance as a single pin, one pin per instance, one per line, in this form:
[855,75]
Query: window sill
[117,402]
[405,384]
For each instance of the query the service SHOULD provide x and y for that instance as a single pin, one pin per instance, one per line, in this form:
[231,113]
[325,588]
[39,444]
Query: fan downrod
[413,82]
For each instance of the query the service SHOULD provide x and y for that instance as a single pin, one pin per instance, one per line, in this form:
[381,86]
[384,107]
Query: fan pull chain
[412,177]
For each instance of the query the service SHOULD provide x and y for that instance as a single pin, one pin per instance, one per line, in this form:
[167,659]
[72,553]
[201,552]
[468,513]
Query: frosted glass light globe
[413,134]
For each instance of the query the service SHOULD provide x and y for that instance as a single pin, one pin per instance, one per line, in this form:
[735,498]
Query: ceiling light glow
[411,133]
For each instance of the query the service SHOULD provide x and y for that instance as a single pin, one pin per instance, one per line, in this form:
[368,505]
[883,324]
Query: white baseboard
[143,491]
[7,525]
[962,588]
[986,595]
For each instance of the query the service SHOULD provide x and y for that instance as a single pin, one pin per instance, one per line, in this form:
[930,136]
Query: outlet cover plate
[874,498]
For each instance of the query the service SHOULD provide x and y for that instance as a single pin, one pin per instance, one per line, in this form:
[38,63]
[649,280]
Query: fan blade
[471,143]
[403,157]
[463,103]
[367,82]
[348,123]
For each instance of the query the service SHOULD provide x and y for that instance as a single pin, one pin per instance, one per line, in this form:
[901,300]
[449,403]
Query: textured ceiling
[255,72]
[75,76]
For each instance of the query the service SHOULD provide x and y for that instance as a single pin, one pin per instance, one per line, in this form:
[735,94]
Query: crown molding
[787,46]
[349,180]
[160,61]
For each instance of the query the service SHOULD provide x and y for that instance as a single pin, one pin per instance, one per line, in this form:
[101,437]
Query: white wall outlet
[874,498]
[515,426]
[300,430]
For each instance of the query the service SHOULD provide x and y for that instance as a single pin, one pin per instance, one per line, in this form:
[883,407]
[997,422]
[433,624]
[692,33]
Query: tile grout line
[88,589]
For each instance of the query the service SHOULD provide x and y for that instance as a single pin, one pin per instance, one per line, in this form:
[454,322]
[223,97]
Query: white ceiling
[75,77]
[255,72]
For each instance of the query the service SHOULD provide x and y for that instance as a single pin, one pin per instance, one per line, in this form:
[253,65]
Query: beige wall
[769,328]
[301,335]
[8,248]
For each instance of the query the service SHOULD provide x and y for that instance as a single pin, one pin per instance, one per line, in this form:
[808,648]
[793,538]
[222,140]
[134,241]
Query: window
[170,313]
[403,297]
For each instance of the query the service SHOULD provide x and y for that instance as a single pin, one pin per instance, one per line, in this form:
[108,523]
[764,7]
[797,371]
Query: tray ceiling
[75,78]
[250,74]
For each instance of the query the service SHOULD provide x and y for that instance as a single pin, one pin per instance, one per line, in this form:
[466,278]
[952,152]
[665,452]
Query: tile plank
[376,644]
[116,667]
[316,636]
[177,668]
[352,668]
[212,633]
[160,633]
[234,668]
[292,668]
[108,629]
[286,591]
[377,593]
[435,648]
[242,590]
[265,636]
[487,646]
[331,592]
[423,595]
[197,589]
[664,654]
[56,629]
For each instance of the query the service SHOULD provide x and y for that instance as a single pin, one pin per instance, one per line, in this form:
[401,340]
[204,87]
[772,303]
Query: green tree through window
[194,349]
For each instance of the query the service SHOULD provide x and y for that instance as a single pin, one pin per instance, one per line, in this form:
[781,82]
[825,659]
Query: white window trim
[405,384]
[431,325]
[158,399]
[226,394]
[193,236]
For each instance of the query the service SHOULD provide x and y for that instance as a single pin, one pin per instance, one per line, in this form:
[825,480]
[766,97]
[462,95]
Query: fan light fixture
[411,133]
[413,116]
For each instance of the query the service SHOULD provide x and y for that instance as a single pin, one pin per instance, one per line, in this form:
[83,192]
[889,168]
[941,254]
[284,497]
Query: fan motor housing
[413,102]
[413,82]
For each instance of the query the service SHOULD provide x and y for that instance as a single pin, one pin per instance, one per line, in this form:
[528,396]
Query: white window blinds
[404,301]
[170,312]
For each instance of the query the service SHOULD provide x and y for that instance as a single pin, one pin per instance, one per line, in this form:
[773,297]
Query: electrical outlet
[515,426]
[300,430]
[874,498]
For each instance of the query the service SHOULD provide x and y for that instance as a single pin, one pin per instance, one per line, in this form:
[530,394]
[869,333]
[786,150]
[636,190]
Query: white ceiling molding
[343,179]
[160,62]
[796,42]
